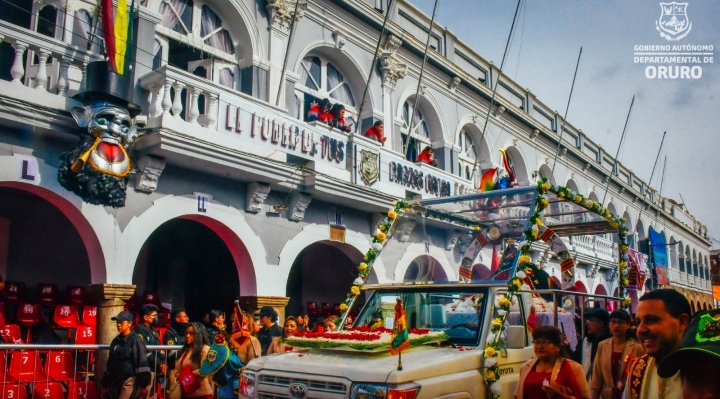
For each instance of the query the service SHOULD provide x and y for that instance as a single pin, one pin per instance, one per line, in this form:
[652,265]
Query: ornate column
[392,71]
[18,69]
[110,299]
[254,303]
[41,77]
[281,13]
[62,83]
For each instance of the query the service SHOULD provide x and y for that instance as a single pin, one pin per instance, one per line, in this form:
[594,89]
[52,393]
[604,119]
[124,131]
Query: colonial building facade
[235,194]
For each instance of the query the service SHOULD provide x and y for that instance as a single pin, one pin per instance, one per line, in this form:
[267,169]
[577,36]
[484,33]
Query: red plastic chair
[48,390]
[13,391]
[89,316]
[25,366]
[29,314]
[66,316]
[4,377]
[60,366]
[75,295]
[312,308]
[47,294]
[15,292]
[11,334]
[85,335]
[82,390]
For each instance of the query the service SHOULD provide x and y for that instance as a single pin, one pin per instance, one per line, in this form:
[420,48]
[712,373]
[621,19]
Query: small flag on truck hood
[400,339]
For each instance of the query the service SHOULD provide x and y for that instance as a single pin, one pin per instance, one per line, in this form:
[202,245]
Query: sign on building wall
[660,257]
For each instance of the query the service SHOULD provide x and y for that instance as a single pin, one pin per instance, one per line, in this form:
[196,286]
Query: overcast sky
[542,57]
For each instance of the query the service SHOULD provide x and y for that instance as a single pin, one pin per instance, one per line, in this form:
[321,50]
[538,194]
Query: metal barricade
[68,371]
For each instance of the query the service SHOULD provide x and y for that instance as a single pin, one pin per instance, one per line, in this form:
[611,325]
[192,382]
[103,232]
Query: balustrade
[202,97]
[26,42]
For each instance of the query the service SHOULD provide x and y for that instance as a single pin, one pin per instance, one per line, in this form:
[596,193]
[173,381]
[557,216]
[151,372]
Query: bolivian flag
[118,33]
[400,338]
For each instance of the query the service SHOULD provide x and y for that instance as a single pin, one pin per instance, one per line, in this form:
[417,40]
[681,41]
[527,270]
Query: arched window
[190,26]
[416,135]
[467,158]
[46,19]
[319,79]
[83,30]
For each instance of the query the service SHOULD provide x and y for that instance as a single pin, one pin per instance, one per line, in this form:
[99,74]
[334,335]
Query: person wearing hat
[698,358]
[127,374]
[613,355]
[663,316]
[270,329]
[596,331]
[156,360]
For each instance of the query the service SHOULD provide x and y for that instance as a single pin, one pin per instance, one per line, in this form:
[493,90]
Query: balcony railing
[594,246]
[55,59]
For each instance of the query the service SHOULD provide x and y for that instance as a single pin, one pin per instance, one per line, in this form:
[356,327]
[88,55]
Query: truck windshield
[457,311]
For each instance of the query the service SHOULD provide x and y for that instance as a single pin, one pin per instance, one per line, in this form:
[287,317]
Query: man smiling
[662,317]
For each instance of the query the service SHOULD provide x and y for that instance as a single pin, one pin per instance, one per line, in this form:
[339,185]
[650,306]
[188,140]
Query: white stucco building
[236,195]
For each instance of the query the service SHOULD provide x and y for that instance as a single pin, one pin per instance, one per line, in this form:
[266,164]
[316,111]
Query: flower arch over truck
[532,233]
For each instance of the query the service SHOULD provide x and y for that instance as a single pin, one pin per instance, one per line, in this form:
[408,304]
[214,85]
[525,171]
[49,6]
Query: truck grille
[274,386]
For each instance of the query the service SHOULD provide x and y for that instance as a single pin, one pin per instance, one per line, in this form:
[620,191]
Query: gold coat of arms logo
[369,168]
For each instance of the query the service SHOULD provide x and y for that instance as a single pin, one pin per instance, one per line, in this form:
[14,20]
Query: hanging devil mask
[97,170]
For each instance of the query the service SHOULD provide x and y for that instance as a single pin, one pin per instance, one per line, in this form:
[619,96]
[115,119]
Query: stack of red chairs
[47,294]
[15,292]
[326,309]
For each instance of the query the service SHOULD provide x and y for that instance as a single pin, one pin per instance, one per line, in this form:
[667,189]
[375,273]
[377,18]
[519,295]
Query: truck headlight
[368,391]
[247,384]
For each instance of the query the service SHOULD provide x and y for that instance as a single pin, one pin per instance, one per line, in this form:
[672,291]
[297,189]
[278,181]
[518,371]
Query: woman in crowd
[250,347]
[329,324]
[194,351]
[289,328]
[612,356]
[426,156]
[217,324]
[375,132]
[551,374]
[338,115]
[317,110]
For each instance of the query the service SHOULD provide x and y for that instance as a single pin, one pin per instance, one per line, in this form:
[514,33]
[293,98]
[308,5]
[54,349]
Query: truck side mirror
[515,337]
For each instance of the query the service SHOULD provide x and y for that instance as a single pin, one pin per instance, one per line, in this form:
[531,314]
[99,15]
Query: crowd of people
[133,372]
[666,353]
[334,116]
[670,355]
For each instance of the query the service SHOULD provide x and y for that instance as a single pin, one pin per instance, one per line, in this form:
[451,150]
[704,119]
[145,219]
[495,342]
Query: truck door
[517,340]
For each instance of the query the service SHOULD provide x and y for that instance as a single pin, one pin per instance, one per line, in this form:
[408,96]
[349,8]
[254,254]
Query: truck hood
[418,363]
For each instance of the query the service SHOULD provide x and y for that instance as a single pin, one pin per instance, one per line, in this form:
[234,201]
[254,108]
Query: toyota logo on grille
[297,391]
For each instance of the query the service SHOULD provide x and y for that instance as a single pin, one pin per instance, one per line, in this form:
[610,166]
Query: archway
[321,275]
[474,151]
[426,127]
[579,287]
[33,216]
[424,268]
[517,162]
[544,172]
[197,263]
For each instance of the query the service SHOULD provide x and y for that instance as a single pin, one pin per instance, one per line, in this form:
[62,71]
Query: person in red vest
[338,118]
[426,156]
[316,111]
[375,132]
[325,113]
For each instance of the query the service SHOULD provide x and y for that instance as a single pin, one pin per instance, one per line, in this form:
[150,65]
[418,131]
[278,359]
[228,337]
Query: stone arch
[571,184]
[467,123]
[313,233]
[352,70]
[640,230]
[250,33]
[517,158]
[424,268]
[88,235]
[418,249]
[544,171]
[430,108]
[227,222]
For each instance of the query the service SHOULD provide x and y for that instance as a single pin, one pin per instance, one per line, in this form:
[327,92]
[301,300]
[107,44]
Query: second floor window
[325,81]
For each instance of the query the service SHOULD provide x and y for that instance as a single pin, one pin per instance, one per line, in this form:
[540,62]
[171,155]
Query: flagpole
[400,361]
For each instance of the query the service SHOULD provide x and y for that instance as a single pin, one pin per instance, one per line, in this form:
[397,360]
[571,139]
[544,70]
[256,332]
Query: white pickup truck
[455,368]
[452,371]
